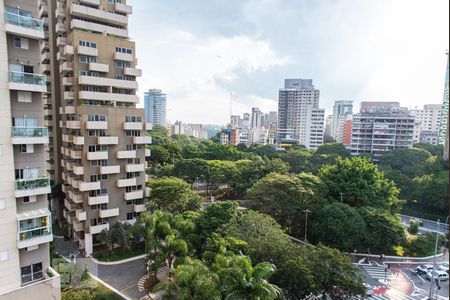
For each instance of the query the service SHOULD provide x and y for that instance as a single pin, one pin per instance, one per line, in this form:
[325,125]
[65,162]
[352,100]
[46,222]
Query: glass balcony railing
[23,21]
[23,236]
[28,78]
[30,184]
[30,132]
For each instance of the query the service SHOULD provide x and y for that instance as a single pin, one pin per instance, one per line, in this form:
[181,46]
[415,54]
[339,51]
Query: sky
[203,53]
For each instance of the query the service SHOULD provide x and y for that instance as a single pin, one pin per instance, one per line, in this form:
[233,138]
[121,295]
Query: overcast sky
[200,51]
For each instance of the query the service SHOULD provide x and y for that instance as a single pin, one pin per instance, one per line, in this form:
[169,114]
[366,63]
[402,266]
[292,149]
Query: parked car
[444,267]
[369,289]
[424,269]
[437,275]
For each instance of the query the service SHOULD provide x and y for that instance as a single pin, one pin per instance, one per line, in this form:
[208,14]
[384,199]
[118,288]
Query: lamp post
[306,211]
[342,196]
[430,295]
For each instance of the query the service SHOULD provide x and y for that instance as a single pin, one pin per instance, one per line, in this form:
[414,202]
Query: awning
[34,214]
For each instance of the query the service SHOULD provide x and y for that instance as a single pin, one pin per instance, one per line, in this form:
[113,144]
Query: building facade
[443,126]
[155,107]
[300,120]
[428,121]
[26,220]
[342,111]
[377,129]
[101,148]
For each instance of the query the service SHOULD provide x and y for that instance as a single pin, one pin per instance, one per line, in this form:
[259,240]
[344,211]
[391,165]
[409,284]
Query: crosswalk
[378,272]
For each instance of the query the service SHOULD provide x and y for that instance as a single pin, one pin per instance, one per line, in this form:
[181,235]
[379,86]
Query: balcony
[97,155]
[133,126]
[34,228]
[109,170]
[108,97]
[108,213]
[98,200]
[90,13]
[109,82]
[68,50]
[123,8]
[89,51]
[126,154]
[80,215]
[134,195]
[97,67]
[76,154]
[142,140]
[29,82]
[66,67]
[148,152]
[148,126]
[132,72]
[96,125]
[69,95]
[29,135]
[147,192]
[126,182]
[24,26]
[77,226]
[85,25]
[73,124]
[123,56]
[98,228]
[67,81]
[78,170]
[108,140]
[139,208]
[68,205]
[89,186]
[91,2]
[134,168]
[32,187]
[76,198]
[78,140]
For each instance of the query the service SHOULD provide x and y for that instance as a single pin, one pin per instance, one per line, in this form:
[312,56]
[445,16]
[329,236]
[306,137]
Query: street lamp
[342,196]
[306,211]
[430,295]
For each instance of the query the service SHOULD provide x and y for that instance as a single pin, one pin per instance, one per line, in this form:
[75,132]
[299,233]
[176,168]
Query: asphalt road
[428,225]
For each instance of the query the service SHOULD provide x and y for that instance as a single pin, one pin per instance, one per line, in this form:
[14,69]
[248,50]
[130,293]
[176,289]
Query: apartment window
[98,221]
[87,44]
[89,73]
[99,132]
[101,192]
[133,119]
[102,162]
[90,88]
[122,64]
[26,199]
[23,96]
[124,50]
[115,1]
[97,118]
[133,175]
[87,59]
[97,148]
[130,189]
[21,43]
[3,255]
[130,216]
[31,273]
[99,177]
[132,133]
[102,206]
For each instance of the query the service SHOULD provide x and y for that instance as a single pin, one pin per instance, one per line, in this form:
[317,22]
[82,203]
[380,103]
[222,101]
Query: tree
[191,280]
[411,162]
[216,215]
[173,195]
[105,238]
[422,246]
[338,225]
[298,160]
[413,227]
[431,191]
[384,231]
[217,245]
[334,273]
[360,183]
[136,233]
[240,280]
[119,235]
[283,196]
[326,154]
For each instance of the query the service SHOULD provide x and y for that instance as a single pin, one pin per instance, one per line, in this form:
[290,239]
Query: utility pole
[306,211]
[342,196]
[430,295]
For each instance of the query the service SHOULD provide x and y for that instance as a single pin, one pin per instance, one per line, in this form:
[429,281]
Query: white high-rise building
[428,120]
[300,120]
[342,111]
[257,115]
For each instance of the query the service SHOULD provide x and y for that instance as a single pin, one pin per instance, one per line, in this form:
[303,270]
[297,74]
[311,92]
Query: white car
[438,275]
[369,289]
[444,267]
[424,269]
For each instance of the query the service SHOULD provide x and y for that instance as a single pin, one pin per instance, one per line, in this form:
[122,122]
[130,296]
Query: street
[427,225]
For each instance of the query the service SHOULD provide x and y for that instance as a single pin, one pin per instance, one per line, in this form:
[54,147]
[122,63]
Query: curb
[112,263]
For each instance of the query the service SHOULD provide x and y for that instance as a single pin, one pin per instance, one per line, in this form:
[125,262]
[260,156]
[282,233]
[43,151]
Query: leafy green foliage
[172,194]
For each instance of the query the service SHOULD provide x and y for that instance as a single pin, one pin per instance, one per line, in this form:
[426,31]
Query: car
[417,221]
[438,275]
[444,267]
[424,269]
[369,289]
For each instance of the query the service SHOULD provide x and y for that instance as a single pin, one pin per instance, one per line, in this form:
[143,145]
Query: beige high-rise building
[98,152]
[25,218]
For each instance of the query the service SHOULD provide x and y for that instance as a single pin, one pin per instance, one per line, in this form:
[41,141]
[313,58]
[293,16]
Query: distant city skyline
[365,51]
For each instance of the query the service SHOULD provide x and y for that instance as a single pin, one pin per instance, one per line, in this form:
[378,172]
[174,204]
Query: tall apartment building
[257,116]
[100,151]
[379,128]
[300,120]
[428,121]
[443,126]
[26,223]
[342,112]
[155,107]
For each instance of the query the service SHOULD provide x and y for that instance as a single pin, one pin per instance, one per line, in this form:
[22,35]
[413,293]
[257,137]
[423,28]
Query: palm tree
[105,238]
[119,235]
[174,247]
[191,280]
[136,233]
[240,280]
